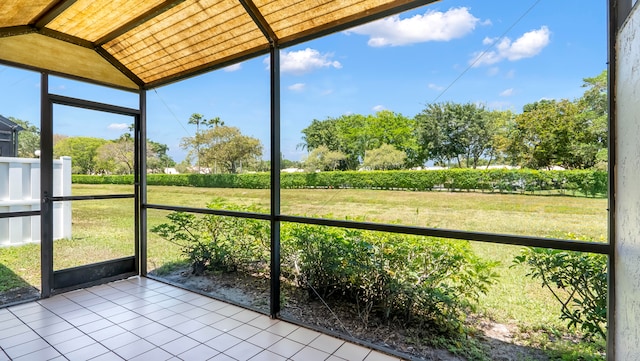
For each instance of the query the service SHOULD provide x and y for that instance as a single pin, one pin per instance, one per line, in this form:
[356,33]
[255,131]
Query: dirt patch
[496,339]
[17,295]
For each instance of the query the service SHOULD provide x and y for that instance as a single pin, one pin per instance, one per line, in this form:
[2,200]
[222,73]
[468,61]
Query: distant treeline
[590,183]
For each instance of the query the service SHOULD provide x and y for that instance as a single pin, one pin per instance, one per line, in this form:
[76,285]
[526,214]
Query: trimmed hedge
[587,182]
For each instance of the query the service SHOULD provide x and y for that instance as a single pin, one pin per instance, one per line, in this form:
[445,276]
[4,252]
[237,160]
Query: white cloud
[528,45]
[488,41]
[510,74]
[304,61]
[431,26]
[435,87]
[118,126]
[507,92]
[486,22]
[234,67]
[378,108]
[297,87]
[493,71]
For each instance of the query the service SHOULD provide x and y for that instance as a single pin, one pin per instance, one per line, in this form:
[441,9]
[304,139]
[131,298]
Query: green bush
[102,179]
[577,280]
[218,243]
[415,279]
[585,182]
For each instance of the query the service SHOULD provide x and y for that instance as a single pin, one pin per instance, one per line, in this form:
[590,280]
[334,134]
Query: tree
[544,133]
[82,150]
[334,135]
[354,134]
[384,158]
[157,157]
[591,150]
[223,146]
[502,122]
[320,132]
[322,158]
[198,119]
[571,134]
[462,132]
[595,98]
[287,163]
[117,156]
[28,138]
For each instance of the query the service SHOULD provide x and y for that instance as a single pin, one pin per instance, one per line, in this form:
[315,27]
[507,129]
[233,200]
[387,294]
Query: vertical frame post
[141,189]
[46,188]
[616,12]
[274,304]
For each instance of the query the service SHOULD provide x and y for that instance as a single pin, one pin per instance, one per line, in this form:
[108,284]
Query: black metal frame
[57,281]
[276,218]
[617,13]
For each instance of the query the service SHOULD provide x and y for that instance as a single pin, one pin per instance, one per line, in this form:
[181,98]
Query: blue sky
[498,53]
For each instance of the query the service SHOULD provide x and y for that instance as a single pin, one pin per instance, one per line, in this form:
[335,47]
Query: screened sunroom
[240,258]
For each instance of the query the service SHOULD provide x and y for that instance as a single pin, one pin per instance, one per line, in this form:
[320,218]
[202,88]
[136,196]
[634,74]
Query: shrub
[217,243]
[587,182]
[577,280]
[400,277]
[403,277]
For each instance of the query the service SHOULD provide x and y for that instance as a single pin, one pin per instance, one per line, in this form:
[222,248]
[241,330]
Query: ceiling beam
[53,12]
[139,20]
[66,37]
[16,30]
[118,65]
[260,21]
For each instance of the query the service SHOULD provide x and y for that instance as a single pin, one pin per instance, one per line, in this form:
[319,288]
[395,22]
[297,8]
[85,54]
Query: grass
[501,213]
[19,267]
[104,230]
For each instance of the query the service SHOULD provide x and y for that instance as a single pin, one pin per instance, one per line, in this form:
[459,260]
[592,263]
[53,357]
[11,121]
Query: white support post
[16,225]
[65,181]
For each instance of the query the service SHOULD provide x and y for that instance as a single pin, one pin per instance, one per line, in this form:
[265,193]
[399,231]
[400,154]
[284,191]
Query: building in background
[8,137]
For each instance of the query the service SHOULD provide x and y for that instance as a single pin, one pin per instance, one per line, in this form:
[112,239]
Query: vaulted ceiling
[142,44]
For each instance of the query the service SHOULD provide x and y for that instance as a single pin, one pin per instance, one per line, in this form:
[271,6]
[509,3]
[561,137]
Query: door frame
[63,280]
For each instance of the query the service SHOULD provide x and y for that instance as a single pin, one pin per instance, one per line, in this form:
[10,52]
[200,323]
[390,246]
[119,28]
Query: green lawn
[551,216]
[104,230]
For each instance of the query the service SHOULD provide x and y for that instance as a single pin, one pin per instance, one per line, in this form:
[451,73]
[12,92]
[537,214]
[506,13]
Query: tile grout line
[135,289]
[140,315]
[36,332]
[4,353]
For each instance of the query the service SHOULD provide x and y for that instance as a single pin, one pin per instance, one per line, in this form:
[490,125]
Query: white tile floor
[142,319]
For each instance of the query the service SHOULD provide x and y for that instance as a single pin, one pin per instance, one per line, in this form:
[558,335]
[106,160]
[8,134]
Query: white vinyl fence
[20,192]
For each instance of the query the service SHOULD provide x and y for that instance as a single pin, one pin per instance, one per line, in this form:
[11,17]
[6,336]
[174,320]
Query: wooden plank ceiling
[143,44]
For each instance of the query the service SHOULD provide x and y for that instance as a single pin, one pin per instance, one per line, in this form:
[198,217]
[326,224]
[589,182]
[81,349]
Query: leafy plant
[577,280]
[410,278]
[217,243]
[585,182]
[398,277]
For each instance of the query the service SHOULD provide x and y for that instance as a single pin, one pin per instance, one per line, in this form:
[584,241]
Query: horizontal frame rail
[87,104]
[528,241]
[91,198]
[506,239]
[216,212]
[19,214]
